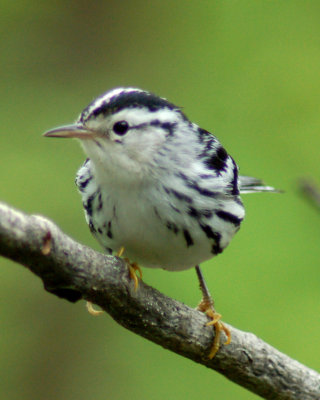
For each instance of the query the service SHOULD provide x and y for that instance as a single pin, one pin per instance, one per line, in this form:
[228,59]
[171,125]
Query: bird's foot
[206,306]
[92,310]
[133,269]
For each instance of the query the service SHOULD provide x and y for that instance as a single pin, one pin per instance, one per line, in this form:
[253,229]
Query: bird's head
[124,128]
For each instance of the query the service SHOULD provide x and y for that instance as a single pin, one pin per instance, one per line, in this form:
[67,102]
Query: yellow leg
[133,268]
[120,252]
[89,305]
[207,306]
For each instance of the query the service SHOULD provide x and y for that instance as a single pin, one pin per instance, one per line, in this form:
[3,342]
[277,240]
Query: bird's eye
[120,127]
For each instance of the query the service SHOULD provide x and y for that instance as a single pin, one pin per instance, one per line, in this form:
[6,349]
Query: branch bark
[73,271]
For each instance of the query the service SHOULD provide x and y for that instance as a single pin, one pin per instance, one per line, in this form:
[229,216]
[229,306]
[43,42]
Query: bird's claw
[133,268]
[92,310]
[206,306]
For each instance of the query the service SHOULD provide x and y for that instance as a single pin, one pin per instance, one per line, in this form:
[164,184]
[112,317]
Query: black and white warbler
[157,185]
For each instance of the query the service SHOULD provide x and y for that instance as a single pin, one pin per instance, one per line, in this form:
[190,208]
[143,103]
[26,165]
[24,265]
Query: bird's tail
[248,184]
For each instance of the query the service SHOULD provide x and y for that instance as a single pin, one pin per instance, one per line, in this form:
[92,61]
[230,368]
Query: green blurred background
[246,70]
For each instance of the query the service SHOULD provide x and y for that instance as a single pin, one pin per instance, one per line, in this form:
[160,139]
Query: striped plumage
[166,190]
[158,185]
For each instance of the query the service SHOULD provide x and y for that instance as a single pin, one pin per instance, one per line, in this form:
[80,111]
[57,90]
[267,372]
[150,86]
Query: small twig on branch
[73,271]
[311,191]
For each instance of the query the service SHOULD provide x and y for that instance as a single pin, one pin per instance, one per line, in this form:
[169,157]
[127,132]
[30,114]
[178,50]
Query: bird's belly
[157,247]
[151,240]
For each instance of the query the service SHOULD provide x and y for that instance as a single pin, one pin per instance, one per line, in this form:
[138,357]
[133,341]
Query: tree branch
[73,271]
[311,191]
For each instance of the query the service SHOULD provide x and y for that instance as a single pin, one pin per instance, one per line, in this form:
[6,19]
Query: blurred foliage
[246,70]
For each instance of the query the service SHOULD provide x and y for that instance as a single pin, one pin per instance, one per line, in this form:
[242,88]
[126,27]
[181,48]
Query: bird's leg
[89,305]
[120,252]
[133,268]
[207,306]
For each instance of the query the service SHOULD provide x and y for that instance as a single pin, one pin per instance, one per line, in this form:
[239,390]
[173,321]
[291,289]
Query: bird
[157,188]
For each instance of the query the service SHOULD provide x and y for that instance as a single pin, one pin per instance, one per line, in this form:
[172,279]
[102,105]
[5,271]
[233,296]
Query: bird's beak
[71,131]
